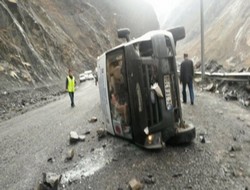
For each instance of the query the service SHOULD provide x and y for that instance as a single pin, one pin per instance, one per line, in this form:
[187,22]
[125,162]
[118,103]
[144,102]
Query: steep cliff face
[227,31]
[40,39]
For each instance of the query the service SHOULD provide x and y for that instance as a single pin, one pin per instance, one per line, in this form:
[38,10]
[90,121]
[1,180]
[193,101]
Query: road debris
[70,155]
[73,137]
[93,120]
[232,95]
[149,179]
[210,87]
[177,175]
[81,137]
[51,160]
[135,185]
[87,133]
[202,138]
[50,181]
[101,133]
[235,148]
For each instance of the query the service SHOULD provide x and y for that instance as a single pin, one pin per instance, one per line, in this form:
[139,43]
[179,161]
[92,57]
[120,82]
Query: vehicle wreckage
[139,90]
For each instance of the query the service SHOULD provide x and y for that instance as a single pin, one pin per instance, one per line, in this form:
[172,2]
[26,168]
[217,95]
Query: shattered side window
[118,93]
[146,48]
[169,47]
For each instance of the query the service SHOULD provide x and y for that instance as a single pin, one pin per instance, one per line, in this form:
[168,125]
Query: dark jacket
[187,71]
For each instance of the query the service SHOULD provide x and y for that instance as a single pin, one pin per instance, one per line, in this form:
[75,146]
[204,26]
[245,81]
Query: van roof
[145,37]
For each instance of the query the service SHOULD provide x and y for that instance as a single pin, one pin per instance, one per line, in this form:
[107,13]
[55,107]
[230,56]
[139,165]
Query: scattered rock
[70,155]
[177,175]
[51,160]
[50,181]
[73,137]
[114,159]
[101,133]
[202,139]
[210,87]
[87,133]
[237,173]
[198,80]
[81,137]
[232,155]
[232,95]
[104,146]
[248,88]
[135,185]
[149,180]
[93,119]
[245,103]
[235,148]
[92,150]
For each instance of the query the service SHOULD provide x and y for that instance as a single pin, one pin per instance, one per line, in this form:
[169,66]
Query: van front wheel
[184,135]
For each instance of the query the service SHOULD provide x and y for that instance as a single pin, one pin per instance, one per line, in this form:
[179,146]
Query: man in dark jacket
[186,78]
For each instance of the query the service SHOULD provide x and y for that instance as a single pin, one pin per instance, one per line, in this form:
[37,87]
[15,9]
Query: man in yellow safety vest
[70,87]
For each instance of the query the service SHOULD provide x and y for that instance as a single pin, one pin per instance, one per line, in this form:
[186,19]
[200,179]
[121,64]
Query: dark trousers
[191,91]
[71,95]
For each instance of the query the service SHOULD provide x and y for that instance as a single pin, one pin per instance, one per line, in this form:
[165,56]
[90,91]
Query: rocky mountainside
[40,39]
[227,31]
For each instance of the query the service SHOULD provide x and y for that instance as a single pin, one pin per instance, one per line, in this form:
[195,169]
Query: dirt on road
[30,141]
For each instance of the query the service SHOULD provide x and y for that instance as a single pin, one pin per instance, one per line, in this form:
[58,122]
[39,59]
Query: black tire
[183,136]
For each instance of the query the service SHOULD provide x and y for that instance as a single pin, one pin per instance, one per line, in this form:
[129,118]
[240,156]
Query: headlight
[153,141]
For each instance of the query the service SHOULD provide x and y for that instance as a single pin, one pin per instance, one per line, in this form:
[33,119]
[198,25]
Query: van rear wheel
[184,135]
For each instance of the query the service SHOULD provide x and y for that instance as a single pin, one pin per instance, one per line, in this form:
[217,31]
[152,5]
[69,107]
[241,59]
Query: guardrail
[241,77]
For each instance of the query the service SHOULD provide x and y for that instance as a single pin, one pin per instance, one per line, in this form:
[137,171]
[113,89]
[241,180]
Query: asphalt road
[29,140]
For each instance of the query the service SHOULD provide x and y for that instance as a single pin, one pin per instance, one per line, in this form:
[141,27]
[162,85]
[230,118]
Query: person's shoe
[192,103]
[184,102]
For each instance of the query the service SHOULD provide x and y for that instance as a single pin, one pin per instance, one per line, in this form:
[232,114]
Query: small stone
[220,112]
[73,137]
[149,180]
[135,185]
[114,159]
[235,148]
[93,119]
[52,179]
[81,137]
[202,139]
[177,175]
[50,160]
[210,87]
[101,133]
[70,155]
[237,173]
[104,146]
[232,155]
[92,150]
[87,133]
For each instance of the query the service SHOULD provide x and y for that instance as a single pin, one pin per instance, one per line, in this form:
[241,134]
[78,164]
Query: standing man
[186,78]
[70,87]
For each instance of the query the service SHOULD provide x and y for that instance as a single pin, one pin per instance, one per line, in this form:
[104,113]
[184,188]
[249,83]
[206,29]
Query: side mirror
[178,33]
[123,33]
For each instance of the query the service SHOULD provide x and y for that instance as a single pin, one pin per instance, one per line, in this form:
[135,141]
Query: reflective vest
[71,84]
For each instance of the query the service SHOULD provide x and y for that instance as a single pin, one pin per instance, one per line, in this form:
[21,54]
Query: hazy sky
[163,7]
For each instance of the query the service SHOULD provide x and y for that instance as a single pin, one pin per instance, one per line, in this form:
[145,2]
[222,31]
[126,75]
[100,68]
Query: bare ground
[30,139]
